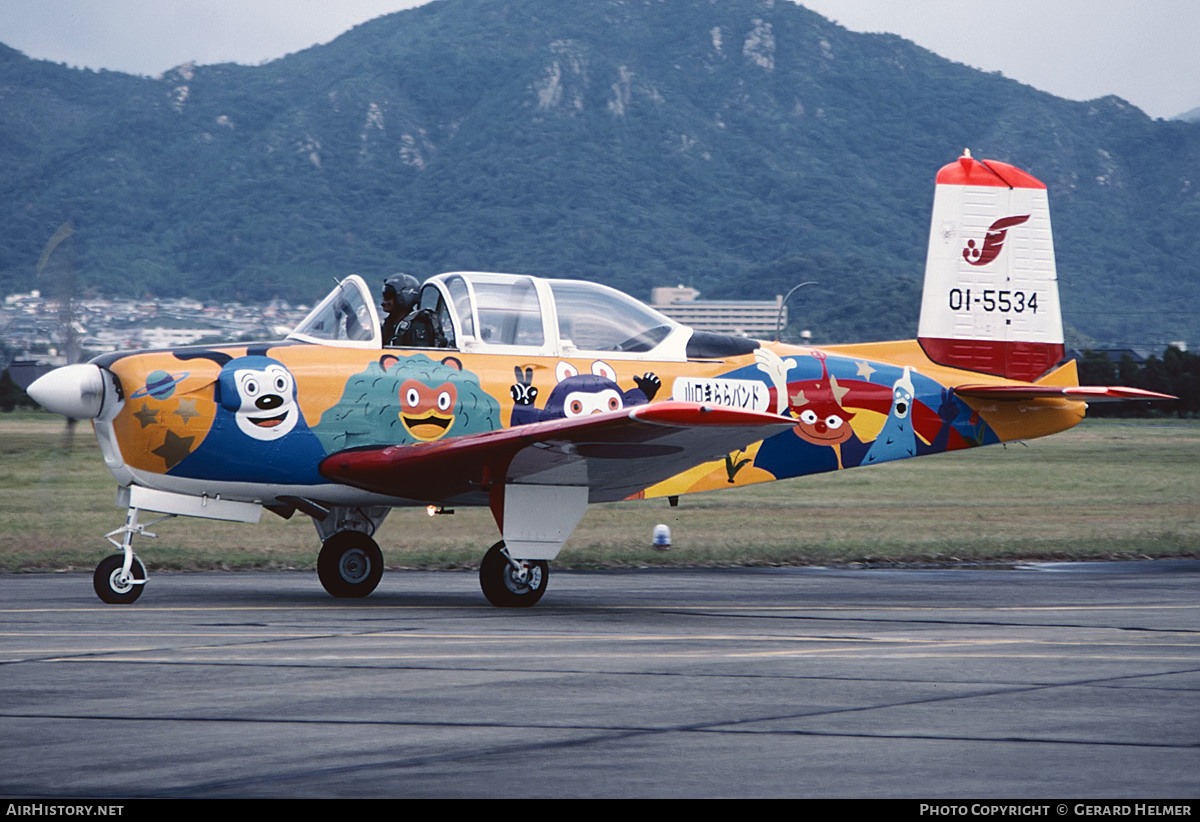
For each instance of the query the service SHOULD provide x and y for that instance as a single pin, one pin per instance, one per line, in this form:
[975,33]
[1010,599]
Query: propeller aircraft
[540,396]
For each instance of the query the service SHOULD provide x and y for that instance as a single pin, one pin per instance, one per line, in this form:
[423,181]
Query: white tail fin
[991,289]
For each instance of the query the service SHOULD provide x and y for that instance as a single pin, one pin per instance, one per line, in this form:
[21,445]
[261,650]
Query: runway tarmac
[1044,681]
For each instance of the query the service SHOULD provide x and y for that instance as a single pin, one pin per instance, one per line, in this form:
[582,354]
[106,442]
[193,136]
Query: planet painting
[160,385]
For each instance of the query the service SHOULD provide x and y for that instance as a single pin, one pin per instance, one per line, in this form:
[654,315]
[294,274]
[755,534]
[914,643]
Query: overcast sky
[1146,51]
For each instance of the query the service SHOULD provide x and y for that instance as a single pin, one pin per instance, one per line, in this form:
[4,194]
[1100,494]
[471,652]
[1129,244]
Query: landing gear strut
[511,583]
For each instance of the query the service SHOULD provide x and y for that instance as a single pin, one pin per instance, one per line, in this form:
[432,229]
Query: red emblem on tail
[992,243]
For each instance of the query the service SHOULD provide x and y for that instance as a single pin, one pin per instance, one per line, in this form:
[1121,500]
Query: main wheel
[113,587]
[350,564]
[509,587]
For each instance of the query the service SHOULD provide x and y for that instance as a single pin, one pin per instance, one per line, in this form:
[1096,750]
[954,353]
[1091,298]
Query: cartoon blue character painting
[897,439]
[258,431]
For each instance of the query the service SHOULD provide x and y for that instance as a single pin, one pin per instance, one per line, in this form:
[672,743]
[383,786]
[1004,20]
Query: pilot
[406,325]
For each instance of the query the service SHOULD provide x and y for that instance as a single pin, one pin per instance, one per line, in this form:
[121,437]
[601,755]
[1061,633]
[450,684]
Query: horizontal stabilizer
[1086,393]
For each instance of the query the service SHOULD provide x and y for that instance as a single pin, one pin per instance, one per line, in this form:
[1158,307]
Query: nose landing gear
[120,578]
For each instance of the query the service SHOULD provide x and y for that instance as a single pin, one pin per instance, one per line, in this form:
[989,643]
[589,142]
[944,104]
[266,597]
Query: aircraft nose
[75,391]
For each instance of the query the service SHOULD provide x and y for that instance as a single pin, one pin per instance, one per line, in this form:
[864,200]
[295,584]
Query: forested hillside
[738,147]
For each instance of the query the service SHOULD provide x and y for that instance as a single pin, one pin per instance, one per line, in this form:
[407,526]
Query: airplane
[541,396]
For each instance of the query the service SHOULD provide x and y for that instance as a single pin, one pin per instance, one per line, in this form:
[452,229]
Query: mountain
[739,147]
[1191,115]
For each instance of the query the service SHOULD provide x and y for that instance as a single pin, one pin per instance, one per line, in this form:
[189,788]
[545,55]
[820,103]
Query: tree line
[1176,372]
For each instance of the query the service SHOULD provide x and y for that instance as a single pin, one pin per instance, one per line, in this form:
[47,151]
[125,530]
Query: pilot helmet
[405,288]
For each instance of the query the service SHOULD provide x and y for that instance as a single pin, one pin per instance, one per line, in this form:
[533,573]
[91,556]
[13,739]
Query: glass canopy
[509,313]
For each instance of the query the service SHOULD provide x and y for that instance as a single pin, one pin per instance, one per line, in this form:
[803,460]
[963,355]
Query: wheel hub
[354,566]
[523,578]
[120,582]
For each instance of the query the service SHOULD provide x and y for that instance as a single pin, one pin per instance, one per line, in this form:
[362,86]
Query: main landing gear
[512,583]
[350,564]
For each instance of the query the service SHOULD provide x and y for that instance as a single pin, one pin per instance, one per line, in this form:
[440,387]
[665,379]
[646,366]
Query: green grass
[1107,489]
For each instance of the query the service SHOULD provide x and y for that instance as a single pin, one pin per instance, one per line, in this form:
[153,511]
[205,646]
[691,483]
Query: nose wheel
[114,584]
[512,583]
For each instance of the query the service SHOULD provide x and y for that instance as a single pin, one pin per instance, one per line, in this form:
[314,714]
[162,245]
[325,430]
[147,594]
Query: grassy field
[1107,489]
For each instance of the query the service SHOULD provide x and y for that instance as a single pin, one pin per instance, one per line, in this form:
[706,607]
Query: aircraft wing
[615,454]
[1086,393]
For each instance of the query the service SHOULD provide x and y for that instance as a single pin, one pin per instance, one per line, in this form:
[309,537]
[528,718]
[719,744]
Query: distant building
[24,372]
[752,318]
[1115,355]
[31,328]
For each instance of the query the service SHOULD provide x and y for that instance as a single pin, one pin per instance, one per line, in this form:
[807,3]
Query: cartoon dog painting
[258,433]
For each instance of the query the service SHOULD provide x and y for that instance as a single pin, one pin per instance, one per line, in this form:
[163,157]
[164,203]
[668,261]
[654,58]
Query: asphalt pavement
[1039,681]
